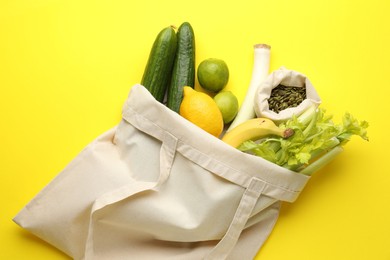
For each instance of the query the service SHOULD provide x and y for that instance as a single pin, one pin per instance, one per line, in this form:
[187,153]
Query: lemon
[200,109]
[227,103]
[213,74]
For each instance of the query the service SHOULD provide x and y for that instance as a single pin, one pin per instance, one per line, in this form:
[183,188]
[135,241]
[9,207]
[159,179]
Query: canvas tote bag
[158,187]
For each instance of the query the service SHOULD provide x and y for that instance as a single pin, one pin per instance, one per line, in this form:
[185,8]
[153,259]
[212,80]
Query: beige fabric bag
[158,187]
[288,78]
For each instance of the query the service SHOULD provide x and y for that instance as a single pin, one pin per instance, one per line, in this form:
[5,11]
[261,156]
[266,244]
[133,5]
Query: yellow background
[66,68]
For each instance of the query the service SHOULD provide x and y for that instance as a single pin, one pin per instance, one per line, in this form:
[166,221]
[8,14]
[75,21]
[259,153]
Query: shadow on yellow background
[66,68]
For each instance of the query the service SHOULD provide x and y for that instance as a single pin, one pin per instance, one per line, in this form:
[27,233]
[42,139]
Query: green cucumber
[157,73]
[183,73]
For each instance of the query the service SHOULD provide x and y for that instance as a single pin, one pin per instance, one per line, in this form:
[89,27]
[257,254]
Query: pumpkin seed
[283,97]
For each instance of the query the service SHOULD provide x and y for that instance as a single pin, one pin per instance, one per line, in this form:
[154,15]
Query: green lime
[228,105]
[213,74]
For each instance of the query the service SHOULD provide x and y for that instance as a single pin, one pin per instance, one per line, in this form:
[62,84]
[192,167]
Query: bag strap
[243,212]
[167,155]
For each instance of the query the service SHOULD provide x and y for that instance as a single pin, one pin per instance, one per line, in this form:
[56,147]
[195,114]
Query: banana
[254,129]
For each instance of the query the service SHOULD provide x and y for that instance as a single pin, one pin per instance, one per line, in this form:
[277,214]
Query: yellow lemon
[200,109]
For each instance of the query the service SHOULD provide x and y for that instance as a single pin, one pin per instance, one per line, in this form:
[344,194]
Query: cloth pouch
[158,187]
[288,78]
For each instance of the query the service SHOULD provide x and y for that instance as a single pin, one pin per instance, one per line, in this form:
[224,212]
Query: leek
[262,53]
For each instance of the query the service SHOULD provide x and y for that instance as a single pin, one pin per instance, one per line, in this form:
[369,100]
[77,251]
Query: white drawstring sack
[288,78]
[158,187]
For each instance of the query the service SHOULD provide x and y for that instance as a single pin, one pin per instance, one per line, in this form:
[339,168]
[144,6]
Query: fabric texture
[158,187]
[288,78]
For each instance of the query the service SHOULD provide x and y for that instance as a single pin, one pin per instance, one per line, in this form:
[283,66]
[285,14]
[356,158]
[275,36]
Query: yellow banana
[254,129]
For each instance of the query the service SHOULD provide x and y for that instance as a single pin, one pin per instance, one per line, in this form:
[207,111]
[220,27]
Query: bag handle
[243,212]
[167,155]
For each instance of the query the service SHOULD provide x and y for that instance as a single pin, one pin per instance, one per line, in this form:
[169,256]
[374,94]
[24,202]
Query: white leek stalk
[260,71]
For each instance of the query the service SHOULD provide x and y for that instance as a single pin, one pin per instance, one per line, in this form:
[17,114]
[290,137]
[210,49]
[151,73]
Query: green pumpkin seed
[283,97]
